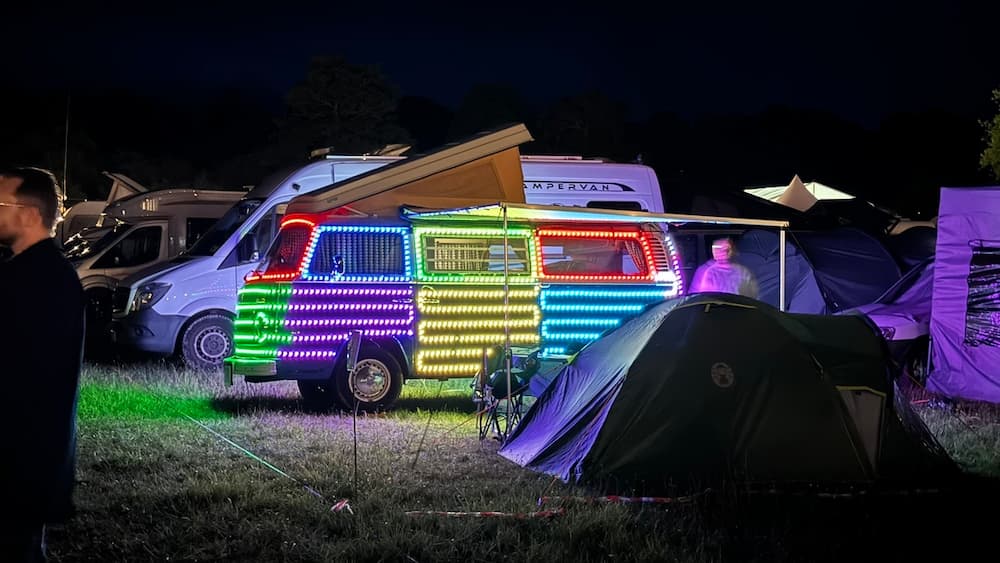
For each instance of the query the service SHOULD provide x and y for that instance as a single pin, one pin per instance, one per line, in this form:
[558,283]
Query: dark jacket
[42,311]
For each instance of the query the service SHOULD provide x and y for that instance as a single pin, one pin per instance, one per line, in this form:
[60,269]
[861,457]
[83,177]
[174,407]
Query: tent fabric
[965,310]
[679,398]
[758,251]
[852,267]
[912,246]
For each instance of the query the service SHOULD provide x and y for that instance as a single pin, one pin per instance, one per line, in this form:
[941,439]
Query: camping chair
[496,416]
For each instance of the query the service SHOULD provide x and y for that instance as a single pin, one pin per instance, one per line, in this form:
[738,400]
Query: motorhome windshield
[216,236]
[89,242]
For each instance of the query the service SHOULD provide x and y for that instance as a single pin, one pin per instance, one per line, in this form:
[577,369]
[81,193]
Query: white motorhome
[580,182]
[136,232]
[88,213]
[186,307]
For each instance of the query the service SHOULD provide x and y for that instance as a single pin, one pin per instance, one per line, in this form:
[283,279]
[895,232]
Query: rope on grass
[616,499]
[514,515]
[339,506]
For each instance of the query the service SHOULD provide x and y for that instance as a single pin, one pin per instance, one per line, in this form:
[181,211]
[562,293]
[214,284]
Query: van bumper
[147,331]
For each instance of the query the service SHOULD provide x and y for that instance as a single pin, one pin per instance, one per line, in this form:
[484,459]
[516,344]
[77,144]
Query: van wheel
[207,341]
[319,396]
[375,384]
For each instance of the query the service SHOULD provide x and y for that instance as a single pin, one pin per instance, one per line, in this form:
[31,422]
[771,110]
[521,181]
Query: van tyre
[376,383]
[207,341]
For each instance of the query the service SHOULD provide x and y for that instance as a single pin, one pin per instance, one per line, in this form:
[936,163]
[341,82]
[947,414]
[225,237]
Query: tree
[340,105]
[590,125]
[990,158]
[486,106]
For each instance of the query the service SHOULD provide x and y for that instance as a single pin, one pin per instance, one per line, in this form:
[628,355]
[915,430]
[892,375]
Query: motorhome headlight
[147,295]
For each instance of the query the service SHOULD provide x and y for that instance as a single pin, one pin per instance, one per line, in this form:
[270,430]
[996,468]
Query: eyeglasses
[8,204]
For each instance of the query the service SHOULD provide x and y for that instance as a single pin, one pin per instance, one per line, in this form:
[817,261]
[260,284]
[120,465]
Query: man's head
[29,206]
[722,249]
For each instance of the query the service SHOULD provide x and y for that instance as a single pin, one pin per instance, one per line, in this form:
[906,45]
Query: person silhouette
[723,274]
[41,342]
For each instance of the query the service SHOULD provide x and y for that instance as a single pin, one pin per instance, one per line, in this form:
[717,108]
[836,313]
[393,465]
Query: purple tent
[965,313]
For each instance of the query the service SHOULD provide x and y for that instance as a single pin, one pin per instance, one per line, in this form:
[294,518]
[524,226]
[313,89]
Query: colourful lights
[594,255]
[447,294]
[455,324]
[351,253]
[473,255]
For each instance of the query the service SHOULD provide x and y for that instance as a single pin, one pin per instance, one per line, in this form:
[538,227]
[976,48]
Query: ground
[172,466]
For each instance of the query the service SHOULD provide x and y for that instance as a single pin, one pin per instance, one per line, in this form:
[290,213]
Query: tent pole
[506,317]
[781,270]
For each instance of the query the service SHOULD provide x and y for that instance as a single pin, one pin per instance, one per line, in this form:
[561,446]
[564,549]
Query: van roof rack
[395,149]
[561,158]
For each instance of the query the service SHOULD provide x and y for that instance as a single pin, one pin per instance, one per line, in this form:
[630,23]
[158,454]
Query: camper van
[433,292]
[187,306]
[579,182]
[86,214]
[137,232]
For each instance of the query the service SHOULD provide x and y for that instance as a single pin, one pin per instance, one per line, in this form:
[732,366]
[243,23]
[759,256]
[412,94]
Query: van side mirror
[248,251]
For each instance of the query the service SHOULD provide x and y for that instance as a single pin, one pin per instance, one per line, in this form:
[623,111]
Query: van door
[460,297]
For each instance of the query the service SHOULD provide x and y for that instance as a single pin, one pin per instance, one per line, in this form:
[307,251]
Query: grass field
[158,482]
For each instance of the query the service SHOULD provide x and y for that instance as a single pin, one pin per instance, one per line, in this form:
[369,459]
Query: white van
[186,307]
[137,232]
[573,180]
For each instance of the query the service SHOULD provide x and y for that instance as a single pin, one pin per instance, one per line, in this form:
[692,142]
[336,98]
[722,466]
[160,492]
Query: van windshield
[92,240]
[216,236]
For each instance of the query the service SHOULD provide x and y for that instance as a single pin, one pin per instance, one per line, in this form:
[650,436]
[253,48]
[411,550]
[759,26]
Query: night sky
[859,61]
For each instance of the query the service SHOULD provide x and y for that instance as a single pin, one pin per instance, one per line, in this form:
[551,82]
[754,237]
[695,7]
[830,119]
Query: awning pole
[506,318]
[781,270]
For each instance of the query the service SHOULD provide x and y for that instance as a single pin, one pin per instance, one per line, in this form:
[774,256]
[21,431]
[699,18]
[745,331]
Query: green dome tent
[718,387]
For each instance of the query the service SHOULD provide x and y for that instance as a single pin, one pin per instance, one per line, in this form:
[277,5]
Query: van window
[286,251]
[253,243]
[621,205]
[593,256]
[474,255]
[220,232]
[197,227]
[354,254]
[139,247]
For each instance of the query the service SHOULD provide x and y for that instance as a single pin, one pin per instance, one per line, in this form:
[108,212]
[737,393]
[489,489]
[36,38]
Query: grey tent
[717,387]
[827,270]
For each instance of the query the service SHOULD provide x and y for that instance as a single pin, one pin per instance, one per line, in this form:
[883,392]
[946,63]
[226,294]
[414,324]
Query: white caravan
[186,307]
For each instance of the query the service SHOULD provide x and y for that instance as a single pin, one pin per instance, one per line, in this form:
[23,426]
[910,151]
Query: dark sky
[859,60]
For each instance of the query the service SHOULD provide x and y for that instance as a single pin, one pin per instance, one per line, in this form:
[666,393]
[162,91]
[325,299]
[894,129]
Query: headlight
[147,295]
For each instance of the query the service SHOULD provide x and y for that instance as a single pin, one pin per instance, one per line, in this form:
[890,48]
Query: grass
[156,483]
